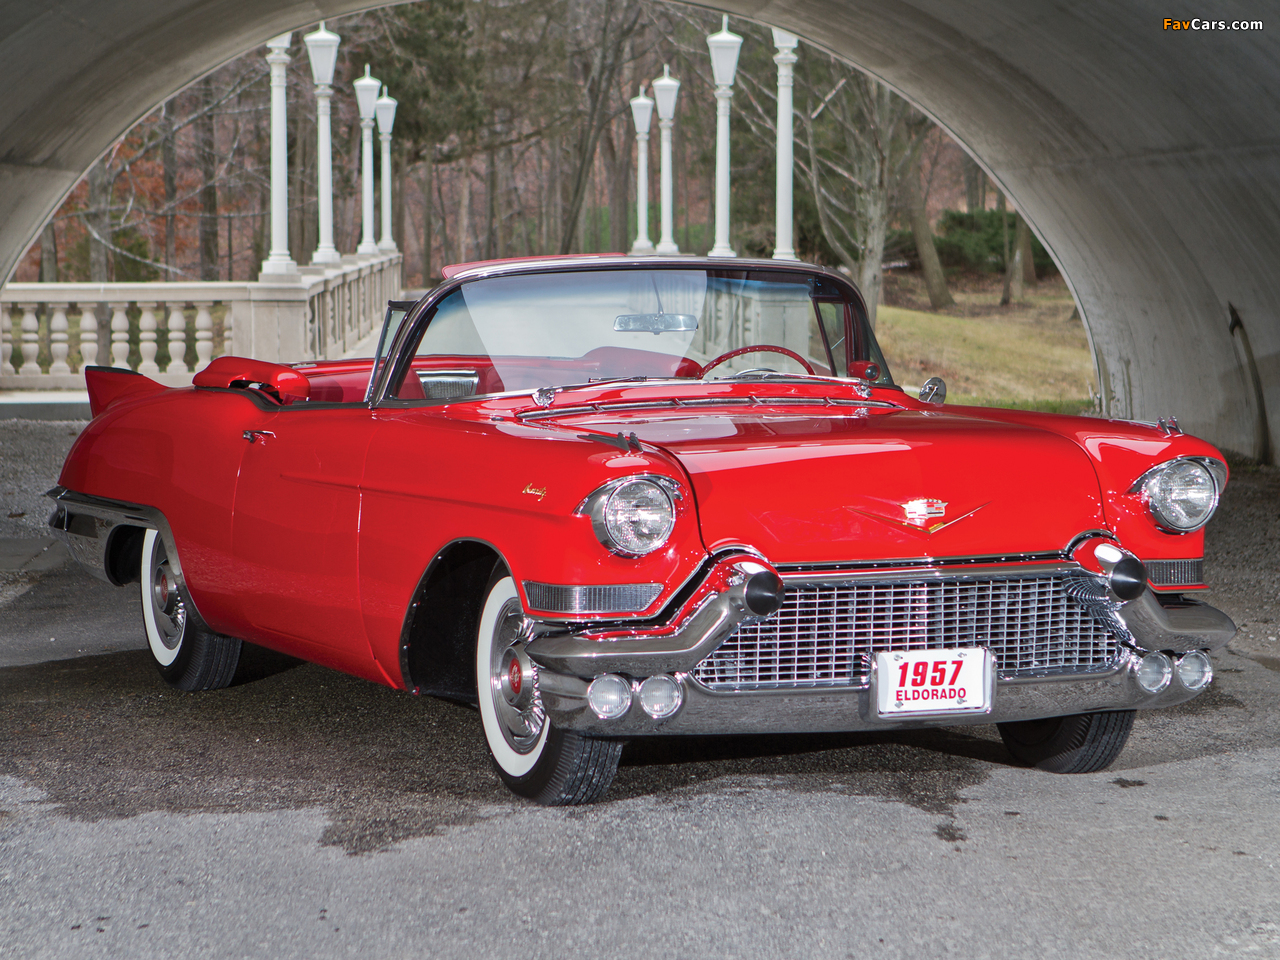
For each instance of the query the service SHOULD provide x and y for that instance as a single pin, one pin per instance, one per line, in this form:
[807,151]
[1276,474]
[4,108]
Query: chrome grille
[826,634]
[1176,573]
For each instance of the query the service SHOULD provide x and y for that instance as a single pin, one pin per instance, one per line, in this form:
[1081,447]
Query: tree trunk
[464,213]
[48,255]
[491,206]
[1021,238]
[935,280]
[399,201]
[169,160]
[1006,294]
[428,212]
[98,219]
[975,183]
[207,161]
[1028,255]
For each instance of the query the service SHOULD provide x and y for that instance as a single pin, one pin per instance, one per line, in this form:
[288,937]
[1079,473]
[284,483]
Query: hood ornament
[921,511]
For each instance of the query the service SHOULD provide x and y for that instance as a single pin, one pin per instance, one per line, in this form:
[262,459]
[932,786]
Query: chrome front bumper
[568,661]
[848,710]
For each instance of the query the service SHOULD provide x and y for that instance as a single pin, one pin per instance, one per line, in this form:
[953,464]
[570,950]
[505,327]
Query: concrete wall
[1148,161]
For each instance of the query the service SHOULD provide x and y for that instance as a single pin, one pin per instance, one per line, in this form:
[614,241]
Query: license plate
[910,683]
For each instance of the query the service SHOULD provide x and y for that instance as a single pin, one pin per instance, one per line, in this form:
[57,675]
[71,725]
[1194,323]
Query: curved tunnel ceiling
[1147,160]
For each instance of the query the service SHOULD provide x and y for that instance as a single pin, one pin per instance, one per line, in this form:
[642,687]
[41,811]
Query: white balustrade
[6,341]
[120,335]
[319,313]
[88,337]
[58,345]
[146,339]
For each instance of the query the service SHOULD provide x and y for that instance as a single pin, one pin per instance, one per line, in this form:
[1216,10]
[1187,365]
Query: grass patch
[1030,355]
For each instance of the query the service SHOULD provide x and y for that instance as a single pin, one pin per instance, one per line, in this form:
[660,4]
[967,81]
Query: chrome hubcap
[170,613]
[513,682]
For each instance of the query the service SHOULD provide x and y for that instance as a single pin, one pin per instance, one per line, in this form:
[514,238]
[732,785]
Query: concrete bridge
[1146,158]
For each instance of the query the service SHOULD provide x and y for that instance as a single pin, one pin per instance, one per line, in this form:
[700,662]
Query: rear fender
[110,385]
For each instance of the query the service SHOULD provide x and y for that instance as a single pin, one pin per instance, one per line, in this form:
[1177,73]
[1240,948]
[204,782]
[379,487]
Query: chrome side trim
[107,514]
[708,627]
[589,598]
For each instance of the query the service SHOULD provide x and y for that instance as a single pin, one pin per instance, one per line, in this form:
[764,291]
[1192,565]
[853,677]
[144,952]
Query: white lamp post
[665,89]
[785,59]
[385,109]
[278,262]
[724,48]
[642,113]
[322,48]
[366,97]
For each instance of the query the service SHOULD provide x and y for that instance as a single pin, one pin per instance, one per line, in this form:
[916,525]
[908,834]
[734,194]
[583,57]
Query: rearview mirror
[656,323]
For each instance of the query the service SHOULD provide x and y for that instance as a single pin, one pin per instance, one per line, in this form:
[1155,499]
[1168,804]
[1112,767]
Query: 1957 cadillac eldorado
[617,498]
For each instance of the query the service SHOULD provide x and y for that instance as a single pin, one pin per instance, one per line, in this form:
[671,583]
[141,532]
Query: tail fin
[108,385]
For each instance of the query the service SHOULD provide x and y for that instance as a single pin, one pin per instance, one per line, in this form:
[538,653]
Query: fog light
[1194,670]
[660,696]
[1154,672]
[609,696]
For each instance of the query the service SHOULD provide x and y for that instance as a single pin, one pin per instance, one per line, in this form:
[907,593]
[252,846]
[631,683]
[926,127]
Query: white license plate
[914,682]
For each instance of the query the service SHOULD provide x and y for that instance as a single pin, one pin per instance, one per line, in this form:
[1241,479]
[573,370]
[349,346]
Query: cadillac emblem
[921,511]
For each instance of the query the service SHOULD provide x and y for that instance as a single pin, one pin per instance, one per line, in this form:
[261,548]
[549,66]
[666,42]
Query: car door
[295,532]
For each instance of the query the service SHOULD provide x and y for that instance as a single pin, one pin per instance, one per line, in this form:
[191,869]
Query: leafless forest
[513,137]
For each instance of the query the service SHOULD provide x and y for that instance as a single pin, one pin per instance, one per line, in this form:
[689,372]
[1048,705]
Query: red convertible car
[626,497]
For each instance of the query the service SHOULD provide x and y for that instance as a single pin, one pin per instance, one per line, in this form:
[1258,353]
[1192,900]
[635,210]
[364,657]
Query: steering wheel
[764,347]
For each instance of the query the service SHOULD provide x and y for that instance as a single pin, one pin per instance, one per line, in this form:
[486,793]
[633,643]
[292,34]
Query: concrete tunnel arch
[1147,159]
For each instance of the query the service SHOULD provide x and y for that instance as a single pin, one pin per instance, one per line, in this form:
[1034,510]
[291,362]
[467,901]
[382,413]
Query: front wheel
[1084,743]
[188,657]
[550,766]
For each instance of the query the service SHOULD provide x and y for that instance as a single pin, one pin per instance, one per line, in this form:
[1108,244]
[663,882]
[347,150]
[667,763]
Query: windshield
[528,331]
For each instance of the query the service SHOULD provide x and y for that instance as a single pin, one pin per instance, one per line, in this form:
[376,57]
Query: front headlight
[633,517]
[1181,494]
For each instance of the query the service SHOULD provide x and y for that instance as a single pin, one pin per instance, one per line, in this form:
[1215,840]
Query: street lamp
[322,48]
[385,109]
[366,97]
[642,113]
[724,48]
[783,207]
[278,261]
[665,89]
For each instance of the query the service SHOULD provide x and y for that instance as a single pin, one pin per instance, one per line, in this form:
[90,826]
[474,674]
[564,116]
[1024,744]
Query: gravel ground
[31,455]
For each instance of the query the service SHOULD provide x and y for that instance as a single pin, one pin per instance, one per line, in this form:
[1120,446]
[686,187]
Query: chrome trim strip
[604,407]
[90,552]
[921,563]
[998,571]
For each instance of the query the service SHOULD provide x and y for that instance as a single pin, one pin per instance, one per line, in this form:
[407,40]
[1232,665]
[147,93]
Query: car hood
[870,485]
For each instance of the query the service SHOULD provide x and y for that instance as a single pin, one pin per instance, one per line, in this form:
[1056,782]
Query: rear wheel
[534,759]
[1084,743]
[188,657]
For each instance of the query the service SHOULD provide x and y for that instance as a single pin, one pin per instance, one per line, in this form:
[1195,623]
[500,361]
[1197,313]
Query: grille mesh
[1176,573]
[826,634]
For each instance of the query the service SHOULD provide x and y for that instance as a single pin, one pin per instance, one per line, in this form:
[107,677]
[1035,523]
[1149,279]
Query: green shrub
[970,242]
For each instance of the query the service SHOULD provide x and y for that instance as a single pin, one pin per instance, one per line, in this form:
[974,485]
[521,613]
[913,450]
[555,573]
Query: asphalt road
[303,813]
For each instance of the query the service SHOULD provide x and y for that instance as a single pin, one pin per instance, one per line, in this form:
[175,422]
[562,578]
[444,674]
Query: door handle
[253,435]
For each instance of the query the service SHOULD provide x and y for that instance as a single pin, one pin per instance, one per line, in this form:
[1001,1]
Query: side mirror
[227,372]
[934,390]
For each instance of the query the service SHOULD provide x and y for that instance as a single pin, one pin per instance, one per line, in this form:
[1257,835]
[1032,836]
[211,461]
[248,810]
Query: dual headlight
[1182,494]
[633,516]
